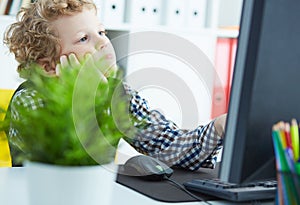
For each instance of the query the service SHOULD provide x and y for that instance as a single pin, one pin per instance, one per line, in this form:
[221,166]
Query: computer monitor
[265,88]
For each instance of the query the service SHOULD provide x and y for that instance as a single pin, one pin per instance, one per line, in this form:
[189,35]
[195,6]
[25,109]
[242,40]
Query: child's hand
[67,62]
[89,63]
[220,125]
[104,59]
[72,62]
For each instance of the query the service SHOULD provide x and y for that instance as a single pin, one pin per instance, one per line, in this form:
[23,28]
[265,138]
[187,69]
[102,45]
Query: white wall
[9,78]
[174,72]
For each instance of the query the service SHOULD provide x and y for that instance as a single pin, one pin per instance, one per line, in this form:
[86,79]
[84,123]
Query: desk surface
[13,191]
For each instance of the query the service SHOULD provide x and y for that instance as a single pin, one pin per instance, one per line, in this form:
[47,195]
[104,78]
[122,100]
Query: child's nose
[101,44]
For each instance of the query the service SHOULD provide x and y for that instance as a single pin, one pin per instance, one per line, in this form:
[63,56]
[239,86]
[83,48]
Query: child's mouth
[109,56]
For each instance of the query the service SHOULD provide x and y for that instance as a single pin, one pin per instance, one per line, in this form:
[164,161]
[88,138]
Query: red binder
[224,63]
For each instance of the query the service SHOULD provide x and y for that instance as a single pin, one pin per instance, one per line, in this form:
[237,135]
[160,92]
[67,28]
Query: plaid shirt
[160,138]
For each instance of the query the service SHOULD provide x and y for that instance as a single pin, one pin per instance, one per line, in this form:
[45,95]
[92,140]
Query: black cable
[178,185]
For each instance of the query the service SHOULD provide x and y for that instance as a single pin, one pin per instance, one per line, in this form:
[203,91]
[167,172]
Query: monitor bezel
[242,83]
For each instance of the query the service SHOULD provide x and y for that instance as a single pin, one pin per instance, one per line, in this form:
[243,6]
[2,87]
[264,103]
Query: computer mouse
[147,168]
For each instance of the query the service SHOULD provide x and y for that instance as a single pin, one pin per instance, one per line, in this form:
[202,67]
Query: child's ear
[47,65]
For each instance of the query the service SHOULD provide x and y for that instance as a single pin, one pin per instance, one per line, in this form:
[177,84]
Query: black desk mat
[166,191]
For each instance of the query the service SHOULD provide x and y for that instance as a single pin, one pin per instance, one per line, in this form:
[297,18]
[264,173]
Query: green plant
[81,121]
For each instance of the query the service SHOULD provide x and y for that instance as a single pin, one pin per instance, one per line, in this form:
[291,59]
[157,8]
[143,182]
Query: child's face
[83,33]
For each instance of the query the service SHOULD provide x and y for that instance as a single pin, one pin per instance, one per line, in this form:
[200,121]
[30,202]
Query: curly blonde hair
[33,38]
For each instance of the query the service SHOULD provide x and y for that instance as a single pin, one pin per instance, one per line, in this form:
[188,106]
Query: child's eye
[83,39]
[102,33]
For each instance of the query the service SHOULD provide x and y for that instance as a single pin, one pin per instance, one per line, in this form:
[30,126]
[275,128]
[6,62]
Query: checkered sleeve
[24,98]
[162,139]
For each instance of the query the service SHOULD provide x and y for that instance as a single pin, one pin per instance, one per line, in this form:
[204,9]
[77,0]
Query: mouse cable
[186,191]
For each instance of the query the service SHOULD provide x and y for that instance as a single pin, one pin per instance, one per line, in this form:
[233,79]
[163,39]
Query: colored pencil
[295,138]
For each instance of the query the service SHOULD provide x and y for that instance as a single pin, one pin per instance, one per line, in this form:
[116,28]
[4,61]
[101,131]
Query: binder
[155,12]
[4,6]
[15,7]
[143,12]
[136,12]
[232,57]
[196,13]
[8,7]
[25,3]
[224,62]
[113,12]
[100,9]
[174,12]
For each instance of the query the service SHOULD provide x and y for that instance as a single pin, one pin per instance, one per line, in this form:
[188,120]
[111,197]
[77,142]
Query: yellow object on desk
[5,158]
[295,138]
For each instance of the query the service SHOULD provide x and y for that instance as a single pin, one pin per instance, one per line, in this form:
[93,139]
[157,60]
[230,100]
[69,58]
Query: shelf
[228,33]
[7,17]
[126,27]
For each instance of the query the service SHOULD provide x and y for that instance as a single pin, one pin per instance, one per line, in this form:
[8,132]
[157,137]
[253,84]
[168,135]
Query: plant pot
[62,185]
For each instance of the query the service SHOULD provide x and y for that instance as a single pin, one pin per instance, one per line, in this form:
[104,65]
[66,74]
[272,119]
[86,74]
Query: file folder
[100,9]
[155,12]
[196,13]
[144,12]
[4,6]
[224,62]
[113,12]
[15,7]
[174,12]
[232,58]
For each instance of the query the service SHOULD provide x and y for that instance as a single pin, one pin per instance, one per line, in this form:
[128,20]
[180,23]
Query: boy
[56,34]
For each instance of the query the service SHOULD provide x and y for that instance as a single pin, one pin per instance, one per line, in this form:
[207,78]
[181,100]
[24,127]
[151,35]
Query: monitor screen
[265,88]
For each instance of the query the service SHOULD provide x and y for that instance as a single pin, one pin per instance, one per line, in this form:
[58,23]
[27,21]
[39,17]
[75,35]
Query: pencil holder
[288,188]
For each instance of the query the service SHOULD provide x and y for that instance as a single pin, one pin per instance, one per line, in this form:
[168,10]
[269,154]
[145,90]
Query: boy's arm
[25,98]
[162,139]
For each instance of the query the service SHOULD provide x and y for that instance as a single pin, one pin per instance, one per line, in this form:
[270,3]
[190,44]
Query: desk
[13,192]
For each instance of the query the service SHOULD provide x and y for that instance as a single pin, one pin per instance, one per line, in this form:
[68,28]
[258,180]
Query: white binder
[136,12]
[196,13]
[174,12]
[100,9]
[143,12]
[155,12]
[15,7]
[113,13]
